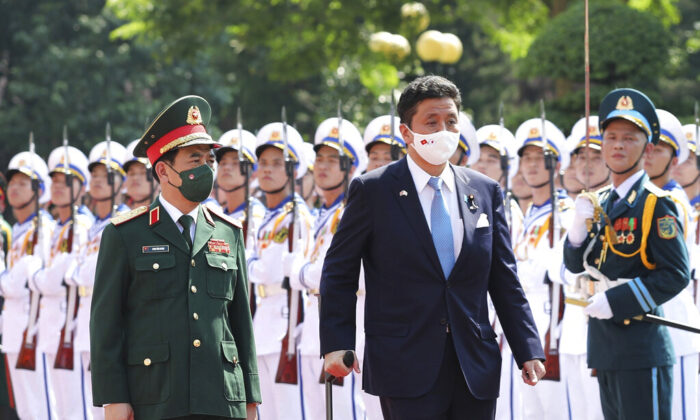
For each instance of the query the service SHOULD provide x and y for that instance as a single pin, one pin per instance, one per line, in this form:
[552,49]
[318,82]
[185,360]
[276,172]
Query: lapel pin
[470,202]
[403,193]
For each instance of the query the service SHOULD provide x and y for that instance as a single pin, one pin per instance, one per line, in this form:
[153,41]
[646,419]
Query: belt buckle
[261,291]
[82,291]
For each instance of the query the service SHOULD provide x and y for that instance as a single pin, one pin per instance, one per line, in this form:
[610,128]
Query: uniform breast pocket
[234,387]
[155,276]
[148,374]
[221,275]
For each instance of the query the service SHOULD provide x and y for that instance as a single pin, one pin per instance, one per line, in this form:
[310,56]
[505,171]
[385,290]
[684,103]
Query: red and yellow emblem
[624,103]
[386,129]
[194,116]
[275,135]
[492,136]
[534,132]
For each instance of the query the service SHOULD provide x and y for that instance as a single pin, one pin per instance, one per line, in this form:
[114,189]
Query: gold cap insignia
[334,133]
[689,135]
[193,116]
[386,129]
[593,130]
[534,132]
[104,153]
[492,136]
[21,163]
[275,135]
[624,104]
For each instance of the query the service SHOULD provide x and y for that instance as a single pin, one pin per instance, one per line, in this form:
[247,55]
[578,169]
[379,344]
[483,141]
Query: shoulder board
[220,214]
[655,190]
[128,215]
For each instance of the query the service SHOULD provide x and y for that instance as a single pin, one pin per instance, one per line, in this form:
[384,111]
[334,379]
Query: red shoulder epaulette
[224,217]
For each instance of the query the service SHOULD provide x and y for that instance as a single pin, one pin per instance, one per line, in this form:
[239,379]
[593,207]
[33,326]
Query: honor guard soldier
[140,185]
[68,169]
[635,257]
[6,402]
[378,142]
[306,187]
[667,154]
[170,330]
[273,314]
[536,248]
[232,182]
[28,188]
[467,151]
[331,177]
[588,169]
[497,146]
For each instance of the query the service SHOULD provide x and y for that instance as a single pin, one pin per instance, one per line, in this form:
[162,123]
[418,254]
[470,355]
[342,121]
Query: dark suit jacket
[409,303]
[147,346]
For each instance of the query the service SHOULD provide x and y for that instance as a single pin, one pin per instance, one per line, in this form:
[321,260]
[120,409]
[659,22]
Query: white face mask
[435,148]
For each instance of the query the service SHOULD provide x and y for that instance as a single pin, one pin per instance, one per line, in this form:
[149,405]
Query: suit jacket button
[235,360]
[156,266]
[195,316]
[193,288]
[192,262]
[147,362]
[196,343]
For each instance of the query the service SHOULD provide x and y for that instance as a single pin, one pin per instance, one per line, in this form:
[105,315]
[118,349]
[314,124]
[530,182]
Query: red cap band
[154,151]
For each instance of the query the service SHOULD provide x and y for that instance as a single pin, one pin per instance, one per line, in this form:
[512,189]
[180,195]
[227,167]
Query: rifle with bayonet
[64,354]
[245,168]
[394,144]
[110,172]
[551,344]
[287,367]
[344,160]
[505,167]
[27,353]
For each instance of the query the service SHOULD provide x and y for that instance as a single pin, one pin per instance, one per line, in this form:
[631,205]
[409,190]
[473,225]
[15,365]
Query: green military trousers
[636,394]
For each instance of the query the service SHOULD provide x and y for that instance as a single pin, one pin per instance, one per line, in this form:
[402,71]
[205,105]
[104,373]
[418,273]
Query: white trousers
[346,402]
[509,402]
[34,395]
[280,401]
[582,390]
[98,413]
[67,385]
[685,388]
[545,401]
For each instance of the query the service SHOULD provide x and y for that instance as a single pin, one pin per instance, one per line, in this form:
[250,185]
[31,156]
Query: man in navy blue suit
[433,240]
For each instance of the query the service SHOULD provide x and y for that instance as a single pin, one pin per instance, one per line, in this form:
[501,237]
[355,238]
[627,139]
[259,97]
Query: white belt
[593,287]
[268,290]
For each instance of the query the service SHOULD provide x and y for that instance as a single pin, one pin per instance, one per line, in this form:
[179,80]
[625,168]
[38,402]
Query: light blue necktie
[441,228]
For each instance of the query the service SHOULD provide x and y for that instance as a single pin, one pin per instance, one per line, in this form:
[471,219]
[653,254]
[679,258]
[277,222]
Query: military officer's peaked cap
[467,138]
[633,106]
[180,124]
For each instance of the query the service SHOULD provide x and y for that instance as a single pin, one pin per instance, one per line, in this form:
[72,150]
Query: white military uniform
[84,275]
[33,391]
[270,323]
[682,307]
[532,250]
[306,275]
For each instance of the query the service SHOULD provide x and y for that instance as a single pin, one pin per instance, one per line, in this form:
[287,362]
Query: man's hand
[599,307]
[120,411]
[533,371]
[251,411]
[333,364]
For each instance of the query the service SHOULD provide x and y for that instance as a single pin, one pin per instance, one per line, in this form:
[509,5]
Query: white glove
[583,210]
[50,281]
[288,263]
[85,274]
[598,307]
[262,271]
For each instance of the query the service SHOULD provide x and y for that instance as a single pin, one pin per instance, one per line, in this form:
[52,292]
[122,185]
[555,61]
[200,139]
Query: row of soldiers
[50,256]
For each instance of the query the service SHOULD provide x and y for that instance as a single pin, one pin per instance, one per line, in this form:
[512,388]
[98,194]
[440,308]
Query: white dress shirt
[626,185]
[449,195]
[175,214]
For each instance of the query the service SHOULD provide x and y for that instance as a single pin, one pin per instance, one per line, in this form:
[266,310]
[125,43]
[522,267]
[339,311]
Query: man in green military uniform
[171,331]
[636,258]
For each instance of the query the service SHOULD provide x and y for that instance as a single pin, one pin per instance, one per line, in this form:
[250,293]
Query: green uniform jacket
[170,333]
[613,345]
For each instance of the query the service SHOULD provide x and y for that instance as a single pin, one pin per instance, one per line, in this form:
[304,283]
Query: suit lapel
[165,227]
[411,207]
[469,217]
[203,231]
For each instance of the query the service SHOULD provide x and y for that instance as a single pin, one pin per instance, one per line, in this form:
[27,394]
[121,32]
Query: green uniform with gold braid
[638,258]
[171,331]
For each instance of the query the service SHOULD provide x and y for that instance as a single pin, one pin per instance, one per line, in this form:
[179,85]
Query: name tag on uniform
[151,249]
[217,245]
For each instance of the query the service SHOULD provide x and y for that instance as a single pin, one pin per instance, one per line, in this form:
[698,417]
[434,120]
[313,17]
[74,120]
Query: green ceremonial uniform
[657,264]
[171,331]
